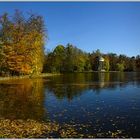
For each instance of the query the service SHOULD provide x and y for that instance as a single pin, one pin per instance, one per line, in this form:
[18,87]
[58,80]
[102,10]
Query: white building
[101,64]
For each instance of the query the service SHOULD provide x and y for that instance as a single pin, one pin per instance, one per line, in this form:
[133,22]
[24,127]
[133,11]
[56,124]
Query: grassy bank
[50,74]
[27,76]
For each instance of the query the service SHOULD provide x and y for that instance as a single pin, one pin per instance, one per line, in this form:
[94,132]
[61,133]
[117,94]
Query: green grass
[27,76]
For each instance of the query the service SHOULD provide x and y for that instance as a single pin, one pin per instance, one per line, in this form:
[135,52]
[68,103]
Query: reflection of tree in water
[66,91]
[22,99]
[137,77]
[71,85]
[67,85]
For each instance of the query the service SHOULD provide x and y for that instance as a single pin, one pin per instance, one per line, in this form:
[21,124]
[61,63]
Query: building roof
[101,58]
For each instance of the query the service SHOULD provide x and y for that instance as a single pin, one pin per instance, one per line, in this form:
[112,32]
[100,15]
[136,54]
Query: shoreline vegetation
[6,78]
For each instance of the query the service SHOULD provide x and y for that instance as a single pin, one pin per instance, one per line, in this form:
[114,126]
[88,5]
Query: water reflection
[71,85]
[103,101]
[22,99]
[107,102]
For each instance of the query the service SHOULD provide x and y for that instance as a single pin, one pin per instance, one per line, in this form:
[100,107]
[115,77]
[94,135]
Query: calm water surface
[96,103]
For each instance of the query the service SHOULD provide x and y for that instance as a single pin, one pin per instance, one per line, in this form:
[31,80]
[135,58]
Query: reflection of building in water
[101,64]
[101,80]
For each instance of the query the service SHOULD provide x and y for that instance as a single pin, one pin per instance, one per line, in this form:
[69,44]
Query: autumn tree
[21,44]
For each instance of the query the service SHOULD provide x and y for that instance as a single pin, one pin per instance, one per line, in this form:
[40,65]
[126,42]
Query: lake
[95,103]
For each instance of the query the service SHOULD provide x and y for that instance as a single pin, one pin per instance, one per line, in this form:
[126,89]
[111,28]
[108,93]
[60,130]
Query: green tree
[106,64]
[67,59]
[59,58]
[76,59]
[113,60]
[120,67]
[138,62]
[94,59]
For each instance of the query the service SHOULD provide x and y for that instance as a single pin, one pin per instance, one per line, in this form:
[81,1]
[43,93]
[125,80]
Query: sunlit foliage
[71,59]
[67,59]
[21,44]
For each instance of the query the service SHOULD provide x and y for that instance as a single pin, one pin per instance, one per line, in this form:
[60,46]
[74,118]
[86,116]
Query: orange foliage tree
[21,44]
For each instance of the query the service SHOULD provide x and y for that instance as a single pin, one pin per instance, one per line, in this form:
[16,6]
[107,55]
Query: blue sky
[108,26]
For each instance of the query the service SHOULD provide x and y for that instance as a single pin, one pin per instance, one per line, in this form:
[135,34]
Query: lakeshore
[6,78]
[28,76]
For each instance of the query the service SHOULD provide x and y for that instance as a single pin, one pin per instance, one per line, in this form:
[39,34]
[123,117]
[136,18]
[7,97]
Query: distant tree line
[71,59]
[66,59]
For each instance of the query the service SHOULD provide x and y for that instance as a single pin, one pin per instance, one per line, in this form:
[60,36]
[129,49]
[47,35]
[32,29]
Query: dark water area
[95,103]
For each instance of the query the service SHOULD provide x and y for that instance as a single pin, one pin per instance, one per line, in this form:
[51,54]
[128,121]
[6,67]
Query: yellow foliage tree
[22,44]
